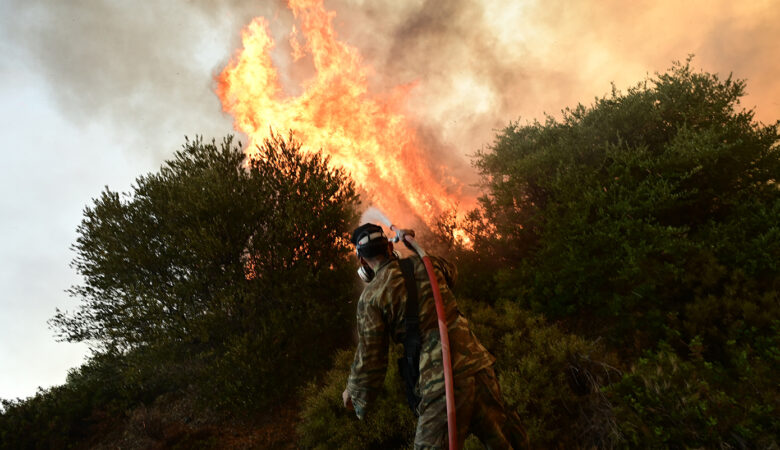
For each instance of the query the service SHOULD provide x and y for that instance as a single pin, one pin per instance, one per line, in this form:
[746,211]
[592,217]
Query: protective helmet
[369,240]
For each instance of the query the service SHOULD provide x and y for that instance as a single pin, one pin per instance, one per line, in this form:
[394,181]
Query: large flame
[365,133]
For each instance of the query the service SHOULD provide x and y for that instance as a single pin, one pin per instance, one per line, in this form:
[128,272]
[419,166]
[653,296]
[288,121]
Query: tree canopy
[643,205]
[651,218]
[243,259]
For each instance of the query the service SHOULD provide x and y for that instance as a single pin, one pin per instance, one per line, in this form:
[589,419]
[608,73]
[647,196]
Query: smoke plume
[147,68]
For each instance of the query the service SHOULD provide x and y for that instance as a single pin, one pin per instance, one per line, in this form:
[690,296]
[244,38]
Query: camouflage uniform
[479,405]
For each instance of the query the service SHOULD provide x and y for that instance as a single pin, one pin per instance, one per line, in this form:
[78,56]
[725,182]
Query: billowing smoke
[144,68]
[147,68]
[482,64]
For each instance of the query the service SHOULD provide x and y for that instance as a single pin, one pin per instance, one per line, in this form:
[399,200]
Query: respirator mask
[366,273]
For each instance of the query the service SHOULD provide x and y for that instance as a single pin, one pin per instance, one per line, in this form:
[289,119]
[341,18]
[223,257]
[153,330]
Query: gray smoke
[144,68]
[147,68]
[483,64]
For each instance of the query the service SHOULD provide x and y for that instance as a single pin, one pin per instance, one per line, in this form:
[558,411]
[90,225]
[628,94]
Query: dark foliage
[326,424]
[638,208]
[94,397]
[670,401]
[652,218]
[646,226]
[538,367]
[217,261]
[219,275]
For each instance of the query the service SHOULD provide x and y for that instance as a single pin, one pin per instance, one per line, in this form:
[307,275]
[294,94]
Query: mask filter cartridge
[366,273]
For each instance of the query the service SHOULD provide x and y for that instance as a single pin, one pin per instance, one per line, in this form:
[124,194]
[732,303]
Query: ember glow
[366,133]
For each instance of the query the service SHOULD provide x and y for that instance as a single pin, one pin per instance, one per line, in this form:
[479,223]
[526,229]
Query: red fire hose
[445,338]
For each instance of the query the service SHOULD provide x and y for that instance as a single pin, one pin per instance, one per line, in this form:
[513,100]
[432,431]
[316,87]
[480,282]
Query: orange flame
[365,133]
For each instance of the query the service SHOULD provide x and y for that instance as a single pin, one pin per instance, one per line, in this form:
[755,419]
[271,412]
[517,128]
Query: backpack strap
[412,315]
[409,365]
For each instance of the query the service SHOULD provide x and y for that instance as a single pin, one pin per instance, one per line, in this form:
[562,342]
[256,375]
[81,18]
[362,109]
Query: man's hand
[402,233]
[347,399]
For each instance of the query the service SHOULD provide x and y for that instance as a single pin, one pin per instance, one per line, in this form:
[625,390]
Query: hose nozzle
[406,236]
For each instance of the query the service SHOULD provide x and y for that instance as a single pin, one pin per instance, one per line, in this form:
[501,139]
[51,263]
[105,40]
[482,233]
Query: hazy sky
[97,92]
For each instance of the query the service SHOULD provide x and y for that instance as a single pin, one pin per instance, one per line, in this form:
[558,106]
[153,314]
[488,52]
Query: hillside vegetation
[625,271]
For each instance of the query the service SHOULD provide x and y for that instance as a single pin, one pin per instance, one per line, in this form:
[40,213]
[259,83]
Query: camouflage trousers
[479,410]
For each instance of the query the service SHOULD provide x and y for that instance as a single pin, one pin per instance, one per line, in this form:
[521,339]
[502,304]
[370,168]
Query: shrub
[550,378]
[667,401]
[62,416]
[326,424]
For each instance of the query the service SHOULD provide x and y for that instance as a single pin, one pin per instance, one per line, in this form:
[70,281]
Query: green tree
[235,269]
[638,207]
[652,218]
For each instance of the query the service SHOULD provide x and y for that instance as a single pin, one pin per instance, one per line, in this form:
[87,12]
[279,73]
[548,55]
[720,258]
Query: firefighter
[381,314]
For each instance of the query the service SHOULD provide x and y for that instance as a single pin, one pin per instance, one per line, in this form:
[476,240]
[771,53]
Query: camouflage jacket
[380,315]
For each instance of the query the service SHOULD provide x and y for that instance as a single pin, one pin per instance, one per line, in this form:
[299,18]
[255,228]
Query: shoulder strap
[409,365]
[412,310]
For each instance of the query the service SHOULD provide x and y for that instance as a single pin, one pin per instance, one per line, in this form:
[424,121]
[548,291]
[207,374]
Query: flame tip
[364,134]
